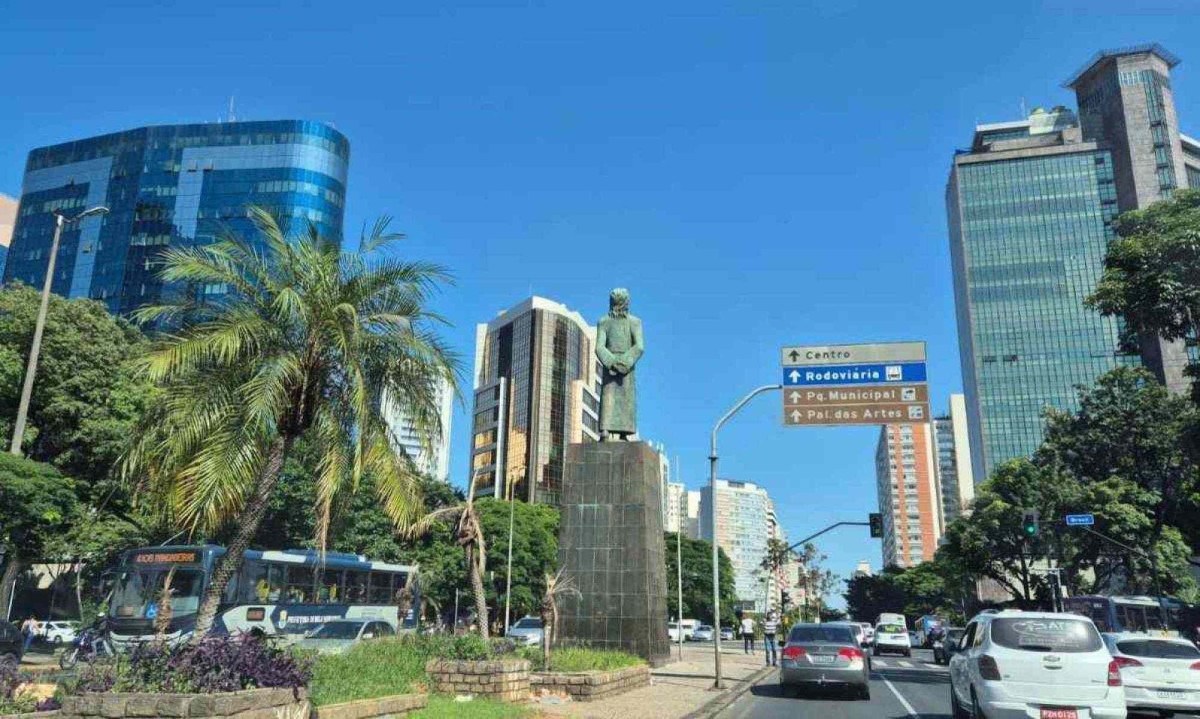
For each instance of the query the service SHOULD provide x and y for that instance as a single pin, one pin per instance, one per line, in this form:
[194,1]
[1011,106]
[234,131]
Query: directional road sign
[858,384]
[1081,520]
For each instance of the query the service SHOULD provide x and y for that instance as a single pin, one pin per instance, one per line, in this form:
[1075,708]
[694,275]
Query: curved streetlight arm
[712,492]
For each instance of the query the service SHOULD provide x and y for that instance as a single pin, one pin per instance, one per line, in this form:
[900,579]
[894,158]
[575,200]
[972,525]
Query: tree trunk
[8,583]
[79,588]
[248,521]
[475,560]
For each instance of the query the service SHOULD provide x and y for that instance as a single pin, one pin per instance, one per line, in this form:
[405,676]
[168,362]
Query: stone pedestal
[611,547]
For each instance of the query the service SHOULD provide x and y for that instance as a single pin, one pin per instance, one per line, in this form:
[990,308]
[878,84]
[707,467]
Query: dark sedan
[824,655]
[946,645]
[12,643]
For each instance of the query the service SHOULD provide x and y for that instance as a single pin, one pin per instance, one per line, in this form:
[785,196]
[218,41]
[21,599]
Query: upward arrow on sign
[795,396]
[796,415]
[795,376]
[794,355]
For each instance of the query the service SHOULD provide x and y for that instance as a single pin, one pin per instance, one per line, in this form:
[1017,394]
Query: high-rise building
[954,460]
[743,526]
[674,507]
[1030,208]
[168,186]
[8,219]
[909,498]
[691,522]
[433,457]
[537,390]
[862,569]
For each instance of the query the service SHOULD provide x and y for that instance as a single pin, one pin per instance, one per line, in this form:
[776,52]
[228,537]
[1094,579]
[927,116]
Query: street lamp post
[40,326]
[712,491]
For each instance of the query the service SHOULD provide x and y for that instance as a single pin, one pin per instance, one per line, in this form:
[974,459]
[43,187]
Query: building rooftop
[1104,55]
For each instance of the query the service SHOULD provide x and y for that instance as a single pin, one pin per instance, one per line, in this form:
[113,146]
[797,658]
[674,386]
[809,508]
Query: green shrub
[447,708]
[579,659]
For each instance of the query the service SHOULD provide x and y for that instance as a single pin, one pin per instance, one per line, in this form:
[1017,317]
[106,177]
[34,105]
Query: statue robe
[619,342]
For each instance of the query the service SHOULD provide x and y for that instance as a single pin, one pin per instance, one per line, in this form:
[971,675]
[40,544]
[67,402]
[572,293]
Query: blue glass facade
[167,186]
[1028,236]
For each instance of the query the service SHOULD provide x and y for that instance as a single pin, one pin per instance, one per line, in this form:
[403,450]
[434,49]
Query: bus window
[257,589]
[1133,617]
[299,584]
[276,583]
[330,586]
[355,586]
[381,588]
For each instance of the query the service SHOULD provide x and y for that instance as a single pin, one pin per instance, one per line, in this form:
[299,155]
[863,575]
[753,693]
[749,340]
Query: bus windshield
[139,592]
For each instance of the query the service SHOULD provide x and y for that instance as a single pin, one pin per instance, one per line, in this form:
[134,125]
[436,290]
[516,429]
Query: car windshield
[337,630]
[139,592]
[529,623]
[704,628]
[954,635]
[890,629]
[809,635]
[1046,635]
[1157,649]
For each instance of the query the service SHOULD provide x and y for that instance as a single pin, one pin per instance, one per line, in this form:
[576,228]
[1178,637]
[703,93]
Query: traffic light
[1029,523]
[785,600]
[875,519]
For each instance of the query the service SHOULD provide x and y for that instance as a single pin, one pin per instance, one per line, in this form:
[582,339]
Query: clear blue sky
[757,173]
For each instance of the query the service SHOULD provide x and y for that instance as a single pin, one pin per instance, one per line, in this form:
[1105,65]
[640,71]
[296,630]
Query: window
[1065,635]
[299,584]
[1158,649]
[380,591]
[355,586]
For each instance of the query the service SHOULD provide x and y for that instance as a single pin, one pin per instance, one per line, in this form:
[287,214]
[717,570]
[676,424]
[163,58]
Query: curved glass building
[172,185]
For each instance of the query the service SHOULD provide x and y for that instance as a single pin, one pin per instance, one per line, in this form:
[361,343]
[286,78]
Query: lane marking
[934,666]
[904,663]
[878,662]
[907,707]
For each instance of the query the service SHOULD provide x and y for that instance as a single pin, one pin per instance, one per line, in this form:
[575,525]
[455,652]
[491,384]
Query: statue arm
[606,357]
[634,353]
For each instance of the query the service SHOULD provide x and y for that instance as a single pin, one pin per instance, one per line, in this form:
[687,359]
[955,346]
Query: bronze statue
[619,345]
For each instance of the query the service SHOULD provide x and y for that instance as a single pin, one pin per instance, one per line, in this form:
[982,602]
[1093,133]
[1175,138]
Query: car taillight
[851,653]
[793,652]
[1114,673]
[1123,662]
[988,669]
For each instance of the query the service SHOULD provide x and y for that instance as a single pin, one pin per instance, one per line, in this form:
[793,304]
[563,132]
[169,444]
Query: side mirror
[368,635]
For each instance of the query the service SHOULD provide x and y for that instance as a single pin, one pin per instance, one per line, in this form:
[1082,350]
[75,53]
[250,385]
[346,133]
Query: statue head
[618,302]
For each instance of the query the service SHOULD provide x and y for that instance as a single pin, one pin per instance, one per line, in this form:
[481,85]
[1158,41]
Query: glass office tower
[1030,208]
[169,186]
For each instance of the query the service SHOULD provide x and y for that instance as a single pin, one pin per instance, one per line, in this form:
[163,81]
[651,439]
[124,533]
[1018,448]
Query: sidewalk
[676,689]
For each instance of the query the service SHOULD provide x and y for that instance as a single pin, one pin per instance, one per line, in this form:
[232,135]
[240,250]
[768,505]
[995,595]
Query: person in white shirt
[747,634]
[770,629]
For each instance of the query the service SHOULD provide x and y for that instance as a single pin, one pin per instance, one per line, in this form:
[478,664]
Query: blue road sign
[849,374]
[1080,520]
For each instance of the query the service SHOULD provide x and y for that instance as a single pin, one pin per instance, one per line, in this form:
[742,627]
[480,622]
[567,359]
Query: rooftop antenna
[232,117]
[1024,112]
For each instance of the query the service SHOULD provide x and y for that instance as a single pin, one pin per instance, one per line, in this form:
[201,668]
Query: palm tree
[302,341]
[557,585]
[468,532]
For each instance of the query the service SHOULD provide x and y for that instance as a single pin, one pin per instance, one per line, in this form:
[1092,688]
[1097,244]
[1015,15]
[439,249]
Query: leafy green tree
[1152,270]
[86,400]
[869,596]
[535,553]
[697,580]
[36,503]
[303,344]
[1127,449]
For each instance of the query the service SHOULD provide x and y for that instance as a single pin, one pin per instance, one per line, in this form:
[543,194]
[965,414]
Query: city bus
[274,594]
[1127,614]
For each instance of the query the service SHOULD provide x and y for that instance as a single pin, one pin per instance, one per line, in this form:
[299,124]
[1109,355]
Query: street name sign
[855,384]
[1081,520]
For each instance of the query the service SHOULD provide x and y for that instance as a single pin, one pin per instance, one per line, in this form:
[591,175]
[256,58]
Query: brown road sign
[877,413]
[874,394]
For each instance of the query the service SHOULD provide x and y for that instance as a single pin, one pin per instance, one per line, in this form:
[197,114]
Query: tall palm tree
[468,532]
[302,341]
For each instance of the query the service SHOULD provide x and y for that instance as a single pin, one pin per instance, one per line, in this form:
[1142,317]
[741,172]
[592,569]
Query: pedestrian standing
[770,629]
[747,634]
[30,629]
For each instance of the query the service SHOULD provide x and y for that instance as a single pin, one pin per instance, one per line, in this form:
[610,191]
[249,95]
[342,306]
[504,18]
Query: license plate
[1171,693]
[822,658]
[1055,713]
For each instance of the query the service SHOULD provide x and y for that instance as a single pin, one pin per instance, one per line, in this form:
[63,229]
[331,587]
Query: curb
[721,702]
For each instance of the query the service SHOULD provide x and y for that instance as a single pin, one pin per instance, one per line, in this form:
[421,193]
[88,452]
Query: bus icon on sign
[916,411]
[894,372]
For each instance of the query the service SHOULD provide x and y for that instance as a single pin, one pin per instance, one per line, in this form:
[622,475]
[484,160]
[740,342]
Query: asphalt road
[900,689]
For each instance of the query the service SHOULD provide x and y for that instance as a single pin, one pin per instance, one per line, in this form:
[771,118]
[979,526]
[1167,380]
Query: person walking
[747,634]
[770,629]
[30,629]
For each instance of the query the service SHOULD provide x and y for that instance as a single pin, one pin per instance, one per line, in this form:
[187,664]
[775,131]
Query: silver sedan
[823,655]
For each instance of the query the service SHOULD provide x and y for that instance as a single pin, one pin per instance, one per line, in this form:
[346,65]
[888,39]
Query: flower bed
[249,704]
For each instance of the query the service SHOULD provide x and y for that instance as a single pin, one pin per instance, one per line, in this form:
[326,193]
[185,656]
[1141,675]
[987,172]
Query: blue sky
[757,173]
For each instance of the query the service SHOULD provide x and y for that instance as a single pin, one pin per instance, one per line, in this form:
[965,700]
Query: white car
[527,630]
[1013,664]
[58,633]
[892,638]
[868,633]
[1159,673]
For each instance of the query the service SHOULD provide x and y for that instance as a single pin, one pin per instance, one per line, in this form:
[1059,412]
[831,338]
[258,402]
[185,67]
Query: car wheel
[956,709]
[875,652]
[58,641]
[908,652]
[865,692]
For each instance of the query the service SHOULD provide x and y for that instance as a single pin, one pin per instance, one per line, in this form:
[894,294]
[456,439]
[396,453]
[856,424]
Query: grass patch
[441,707]
[580,659]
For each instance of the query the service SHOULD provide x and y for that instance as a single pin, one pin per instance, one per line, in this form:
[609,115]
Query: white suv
[1034,664]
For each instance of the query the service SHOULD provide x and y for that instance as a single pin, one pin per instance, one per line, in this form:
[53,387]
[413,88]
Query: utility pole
[712,488]
[679,567]
[40,326]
